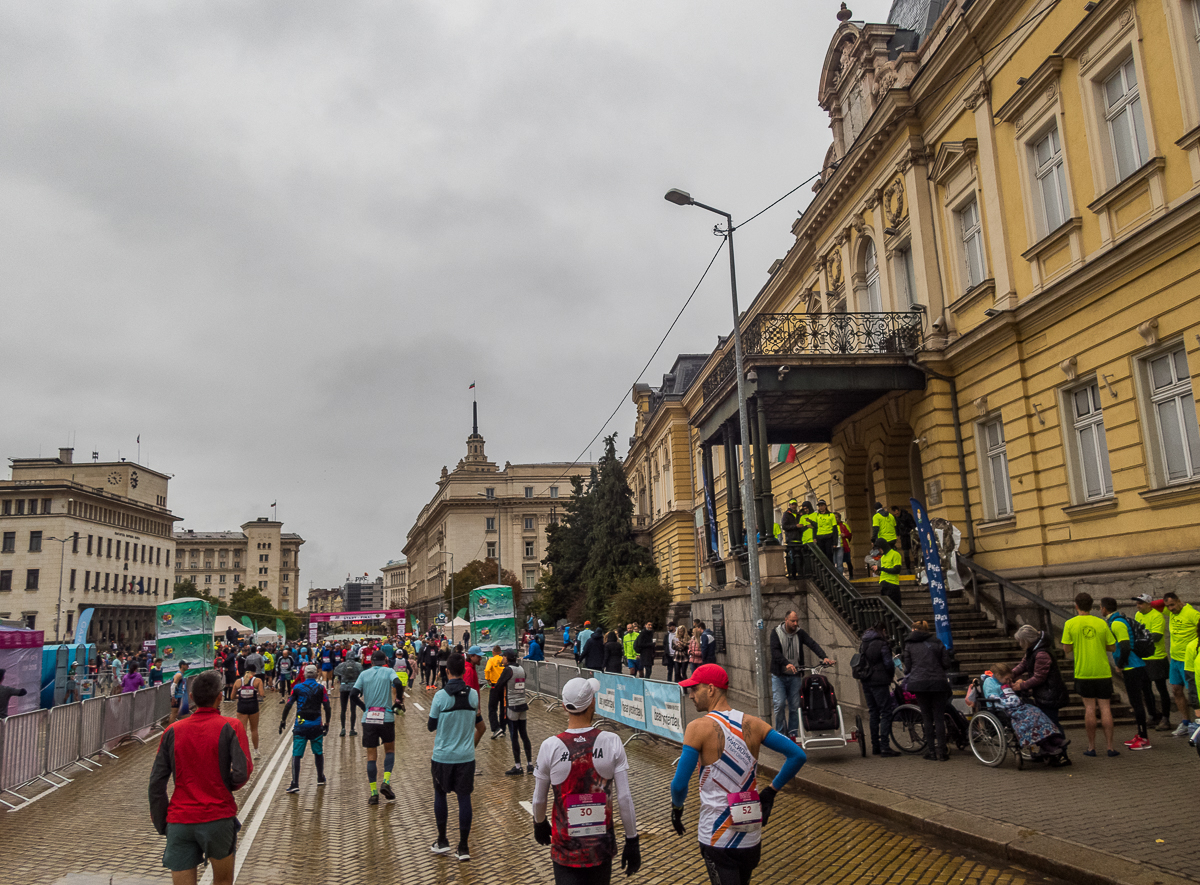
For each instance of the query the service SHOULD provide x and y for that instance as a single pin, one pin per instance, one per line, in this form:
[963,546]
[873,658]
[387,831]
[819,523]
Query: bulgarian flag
[787,455]
[472,387]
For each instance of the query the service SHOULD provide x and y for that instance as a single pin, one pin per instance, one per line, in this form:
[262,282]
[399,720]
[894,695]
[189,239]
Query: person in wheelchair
[1033,729]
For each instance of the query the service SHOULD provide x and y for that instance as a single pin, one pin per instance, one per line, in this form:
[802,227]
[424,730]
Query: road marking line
[255,797]
[418,706]
[528,806]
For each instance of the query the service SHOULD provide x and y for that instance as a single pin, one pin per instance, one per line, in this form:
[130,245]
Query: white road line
[276,761]
[528,806]
[418,706]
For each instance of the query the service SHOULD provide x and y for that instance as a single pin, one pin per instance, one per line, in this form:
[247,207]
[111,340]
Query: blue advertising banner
[665,714]
[934,574]
[81,628]
[621,700]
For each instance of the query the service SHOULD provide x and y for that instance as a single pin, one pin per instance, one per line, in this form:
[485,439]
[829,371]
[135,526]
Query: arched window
[871,270]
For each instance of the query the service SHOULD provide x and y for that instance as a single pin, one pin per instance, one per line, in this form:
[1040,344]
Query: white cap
[578,693]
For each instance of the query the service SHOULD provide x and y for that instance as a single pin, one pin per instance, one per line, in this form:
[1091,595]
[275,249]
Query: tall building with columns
[75,536]
[260,555]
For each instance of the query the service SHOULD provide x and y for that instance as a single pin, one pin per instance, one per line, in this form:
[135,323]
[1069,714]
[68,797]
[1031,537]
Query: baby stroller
[821,722]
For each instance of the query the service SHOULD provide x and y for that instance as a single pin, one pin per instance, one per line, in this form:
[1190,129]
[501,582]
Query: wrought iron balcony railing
[800,334]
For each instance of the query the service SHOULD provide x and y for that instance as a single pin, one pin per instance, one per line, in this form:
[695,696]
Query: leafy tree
[613,555]
[188,589]
[637,601]
[478,573]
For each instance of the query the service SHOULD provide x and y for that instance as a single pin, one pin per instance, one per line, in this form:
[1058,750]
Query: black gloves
[677,818]
[631,857]
[541,831]
[325,729]
[766,798]
[281,725]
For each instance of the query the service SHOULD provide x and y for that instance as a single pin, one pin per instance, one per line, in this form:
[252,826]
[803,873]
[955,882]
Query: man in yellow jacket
[497,719]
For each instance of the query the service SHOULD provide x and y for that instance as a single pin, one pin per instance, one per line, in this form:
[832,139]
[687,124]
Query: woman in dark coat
[1037,672]
[593,651]
[614,653]
[926,664]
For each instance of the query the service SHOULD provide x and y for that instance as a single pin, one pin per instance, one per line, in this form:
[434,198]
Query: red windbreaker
[209,756]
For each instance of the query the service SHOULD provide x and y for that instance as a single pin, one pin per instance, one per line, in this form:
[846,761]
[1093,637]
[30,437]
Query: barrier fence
[37,746]
[652,708]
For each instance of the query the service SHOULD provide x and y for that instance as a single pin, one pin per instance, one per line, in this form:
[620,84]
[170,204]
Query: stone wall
[817,617]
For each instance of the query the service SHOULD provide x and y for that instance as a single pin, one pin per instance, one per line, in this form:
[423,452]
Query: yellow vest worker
[884,525]
[889,572]
[809,521]
[826,524]
[493,668]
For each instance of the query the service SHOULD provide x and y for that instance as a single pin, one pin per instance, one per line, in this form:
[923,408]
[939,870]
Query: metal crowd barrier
[37,745]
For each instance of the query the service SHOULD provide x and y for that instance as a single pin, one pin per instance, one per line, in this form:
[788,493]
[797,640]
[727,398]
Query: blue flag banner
[81,628]
[933,572]
[712,515]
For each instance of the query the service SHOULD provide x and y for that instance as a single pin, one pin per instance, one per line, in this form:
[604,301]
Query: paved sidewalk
[1127,819]
[99,826]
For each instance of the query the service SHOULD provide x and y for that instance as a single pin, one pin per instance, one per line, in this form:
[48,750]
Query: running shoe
[529,768]
[1138,743]
[440,847]
[1130,742]
[461,853]
[321,781]
[256,752]
[292,788]
[374,800]
[353,733]
[516,769]
[386,791]
[1165,725]
[343,732]
[499,732]
[1112,753]
[1181,729]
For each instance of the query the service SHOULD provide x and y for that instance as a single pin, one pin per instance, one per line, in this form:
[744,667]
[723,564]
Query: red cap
[708,674]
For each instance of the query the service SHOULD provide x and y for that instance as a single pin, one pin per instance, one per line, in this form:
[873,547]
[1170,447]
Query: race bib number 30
[373,716]
[586,814]
[745,810]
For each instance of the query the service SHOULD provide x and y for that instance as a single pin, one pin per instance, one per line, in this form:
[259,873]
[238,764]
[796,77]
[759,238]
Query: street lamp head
[678,197]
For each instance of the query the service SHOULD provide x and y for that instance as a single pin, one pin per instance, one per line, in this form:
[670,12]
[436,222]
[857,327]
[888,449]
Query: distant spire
[474,418]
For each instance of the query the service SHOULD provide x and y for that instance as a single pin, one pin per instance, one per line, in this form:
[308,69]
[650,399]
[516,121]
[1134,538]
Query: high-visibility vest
[891,559]
[810,526]
[826,524]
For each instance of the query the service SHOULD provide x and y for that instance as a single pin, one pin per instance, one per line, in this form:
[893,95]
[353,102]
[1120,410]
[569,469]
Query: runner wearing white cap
[583,764]
[726,743]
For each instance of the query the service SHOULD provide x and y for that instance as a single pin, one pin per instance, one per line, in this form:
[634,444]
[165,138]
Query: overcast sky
[280,240]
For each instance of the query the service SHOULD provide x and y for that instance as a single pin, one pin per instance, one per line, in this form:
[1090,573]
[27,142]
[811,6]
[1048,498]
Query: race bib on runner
[745,810]
[373,716]
[586,814]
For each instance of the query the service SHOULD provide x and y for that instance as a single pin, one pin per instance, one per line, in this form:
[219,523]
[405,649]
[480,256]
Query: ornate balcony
[821,334]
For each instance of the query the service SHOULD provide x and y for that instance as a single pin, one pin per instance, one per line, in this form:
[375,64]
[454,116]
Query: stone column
[764,472]
[755,442]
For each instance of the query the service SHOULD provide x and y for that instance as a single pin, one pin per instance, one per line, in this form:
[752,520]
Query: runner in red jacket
[209,757]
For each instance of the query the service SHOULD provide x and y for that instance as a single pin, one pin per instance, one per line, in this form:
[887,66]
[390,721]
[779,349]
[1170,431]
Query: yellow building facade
[991,302]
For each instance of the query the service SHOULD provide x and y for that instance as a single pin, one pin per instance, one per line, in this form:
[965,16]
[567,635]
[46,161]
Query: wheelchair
[992,735]
[908,725]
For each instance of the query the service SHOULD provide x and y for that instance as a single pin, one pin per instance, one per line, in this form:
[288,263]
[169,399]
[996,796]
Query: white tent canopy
[459,622]
[266,634]
[224,622]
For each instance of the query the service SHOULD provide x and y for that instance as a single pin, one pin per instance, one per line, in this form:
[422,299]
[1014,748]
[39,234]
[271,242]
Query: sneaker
[386,791]
[529,768]
[343,732]
[516,769]
[1133,740]
[1165,725]
[256,754]
[353,733]
[292,788]
[1112,753]
[888,753]
[461,853]
[1138,743]
[499,732]
[1181,729]
[321,781]
[1090,753]
[374,800]
[440,847]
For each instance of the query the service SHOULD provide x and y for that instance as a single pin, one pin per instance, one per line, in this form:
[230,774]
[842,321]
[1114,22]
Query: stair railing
[1046,609]
[860,611]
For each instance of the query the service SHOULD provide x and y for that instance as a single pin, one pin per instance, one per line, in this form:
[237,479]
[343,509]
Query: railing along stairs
[859,611]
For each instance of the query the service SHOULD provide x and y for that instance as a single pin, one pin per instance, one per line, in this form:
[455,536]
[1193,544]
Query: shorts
[1100,689]
[515,715]
[373,735]
[1157,669]
[601,874]
[453,777]
[730,866]
[175,702]
[298,742]
[189,844]
[1176,677]
[632,664]
[325,668]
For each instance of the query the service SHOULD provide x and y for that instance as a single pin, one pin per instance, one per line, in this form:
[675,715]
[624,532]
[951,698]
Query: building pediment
[952,157]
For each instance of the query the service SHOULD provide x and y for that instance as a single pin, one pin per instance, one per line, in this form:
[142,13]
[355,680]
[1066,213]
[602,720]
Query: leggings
[441,813]
[933,711]
[1137,684]
[346,703]
[518,727]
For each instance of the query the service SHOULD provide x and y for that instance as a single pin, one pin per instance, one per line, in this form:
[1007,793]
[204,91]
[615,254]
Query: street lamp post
[682,198]
[62,551]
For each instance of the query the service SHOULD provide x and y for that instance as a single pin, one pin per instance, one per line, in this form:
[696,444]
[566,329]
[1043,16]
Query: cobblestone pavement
[1137,805]
[331,835]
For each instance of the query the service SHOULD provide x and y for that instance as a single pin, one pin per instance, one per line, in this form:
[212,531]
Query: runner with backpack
[1131,636]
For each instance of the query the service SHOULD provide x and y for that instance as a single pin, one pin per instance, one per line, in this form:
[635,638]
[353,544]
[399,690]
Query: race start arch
[355,618]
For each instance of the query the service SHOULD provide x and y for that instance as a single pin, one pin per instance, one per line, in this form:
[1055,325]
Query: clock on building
[114,478]
[133,478]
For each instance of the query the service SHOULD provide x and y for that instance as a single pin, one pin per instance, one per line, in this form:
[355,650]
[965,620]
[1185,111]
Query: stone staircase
[979,643]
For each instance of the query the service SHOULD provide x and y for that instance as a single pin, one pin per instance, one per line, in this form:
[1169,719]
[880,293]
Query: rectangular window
[998,493]
[70,622]
[1126,128]
[106,577]
[1051,181]
[1174,408]
[71,586]
[20,507]
[89,546]
[262,585]
[553,491]
[108,549]
[221,580]
[168,559]
[45,505]
[491,549]
[490,494]
[6,508]
[35,542]
[972,240]
[75,542]
[5,580]
[31,579]
[10,543]
[285,577]
[208,579]
[906,281]
[87,581]
[528,491]
[529,523]
[1091,447]
[530,577]
[491,523]
[528,549]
